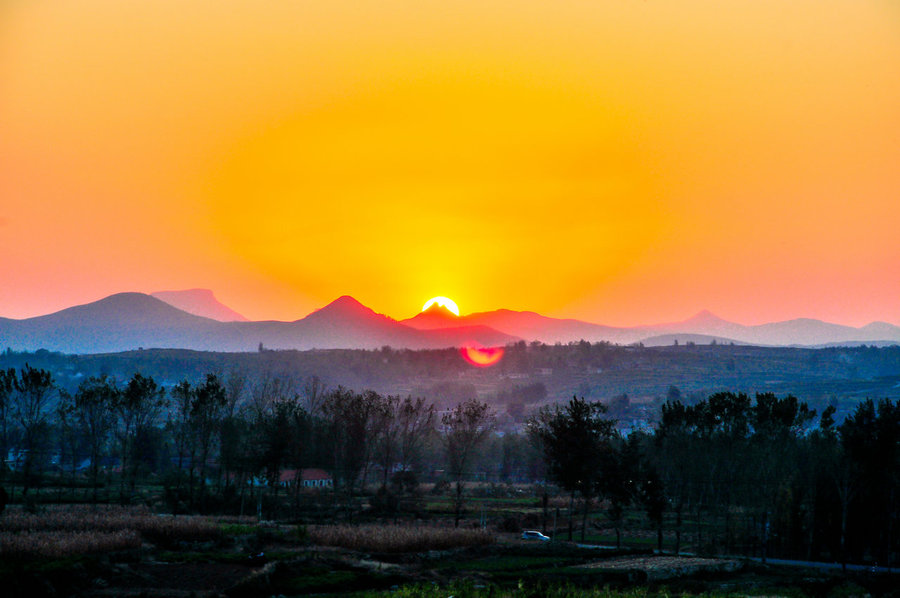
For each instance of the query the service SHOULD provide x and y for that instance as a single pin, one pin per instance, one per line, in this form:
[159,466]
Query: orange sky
[619,162]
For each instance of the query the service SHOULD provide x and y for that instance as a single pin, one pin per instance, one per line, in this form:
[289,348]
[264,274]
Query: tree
[868,477]
[415,419]
[94,404]
[207,403]
[34,391]
[7,387]
[777,424]
[137,408]
[351,420]
[575,440]
[387,436]
[465,427]
[180,424]
[675,457]
[68,435]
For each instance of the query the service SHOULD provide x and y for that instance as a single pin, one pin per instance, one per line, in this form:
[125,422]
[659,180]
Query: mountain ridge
[200,302]
[125,321]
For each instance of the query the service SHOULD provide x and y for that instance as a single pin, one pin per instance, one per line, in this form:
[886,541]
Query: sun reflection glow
[481,356]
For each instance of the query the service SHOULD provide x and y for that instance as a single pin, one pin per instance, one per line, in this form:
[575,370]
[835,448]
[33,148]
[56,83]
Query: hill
[200,302]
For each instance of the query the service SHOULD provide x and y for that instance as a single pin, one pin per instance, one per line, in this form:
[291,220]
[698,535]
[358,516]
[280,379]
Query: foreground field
[123,551]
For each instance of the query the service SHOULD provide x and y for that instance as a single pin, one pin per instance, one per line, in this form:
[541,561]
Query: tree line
[762,475]
[225,436]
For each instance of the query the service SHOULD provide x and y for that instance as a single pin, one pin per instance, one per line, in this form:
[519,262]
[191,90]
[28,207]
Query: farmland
[132,551]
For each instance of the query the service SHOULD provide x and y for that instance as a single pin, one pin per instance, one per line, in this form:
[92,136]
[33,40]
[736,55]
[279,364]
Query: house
[309,478]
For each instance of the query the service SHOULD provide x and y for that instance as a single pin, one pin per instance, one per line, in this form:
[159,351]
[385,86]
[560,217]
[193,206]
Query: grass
[61,544]
[72,530]
[397,538]
[238,529]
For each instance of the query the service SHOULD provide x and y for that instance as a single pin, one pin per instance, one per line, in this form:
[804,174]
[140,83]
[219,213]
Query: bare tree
[207,403]
[350,418]
[94,402]
[415,420]
[7,387]
[465,427]
[34,391]
[387,433]
[314,392]
[137,407]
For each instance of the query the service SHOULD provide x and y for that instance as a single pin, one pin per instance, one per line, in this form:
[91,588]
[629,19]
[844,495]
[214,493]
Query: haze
[615,162]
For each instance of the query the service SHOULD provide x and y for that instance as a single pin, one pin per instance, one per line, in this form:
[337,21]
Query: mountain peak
[200,302]
[344,306]
[705,317]
[436,309]
[704,314]
[345,302]
[436,316]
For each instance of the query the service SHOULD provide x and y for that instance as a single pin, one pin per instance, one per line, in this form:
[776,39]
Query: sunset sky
[621,162]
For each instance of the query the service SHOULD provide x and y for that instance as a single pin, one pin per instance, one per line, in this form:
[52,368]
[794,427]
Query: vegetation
[210,470]
[397,538]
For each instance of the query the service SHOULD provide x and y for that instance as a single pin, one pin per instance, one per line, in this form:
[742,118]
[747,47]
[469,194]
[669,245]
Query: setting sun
[450,304]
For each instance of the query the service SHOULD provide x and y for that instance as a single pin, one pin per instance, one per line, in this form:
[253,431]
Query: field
[130,551]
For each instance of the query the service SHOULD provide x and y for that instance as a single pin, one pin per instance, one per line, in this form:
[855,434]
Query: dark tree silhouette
[575,441]
[466,426]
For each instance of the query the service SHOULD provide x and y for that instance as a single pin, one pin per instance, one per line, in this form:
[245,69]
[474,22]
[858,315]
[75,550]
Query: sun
[450,304]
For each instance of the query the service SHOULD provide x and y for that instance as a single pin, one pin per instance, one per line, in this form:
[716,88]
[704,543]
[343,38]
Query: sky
[614,161]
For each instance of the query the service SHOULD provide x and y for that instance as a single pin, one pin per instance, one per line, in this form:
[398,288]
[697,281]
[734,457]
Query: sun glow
[443,302]
[481,357]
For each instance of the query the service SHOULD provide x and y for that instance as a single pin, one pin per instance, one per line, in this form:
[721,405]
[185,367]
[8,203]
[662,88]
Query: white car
[531,534]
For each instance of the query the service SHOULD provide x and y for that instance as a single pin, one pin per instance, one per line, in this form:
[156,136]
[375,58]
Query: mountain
[128,321]
[800,331]
[436,316]
[528,325]
[532,326]
[345,322]
[200,302]
[115,323]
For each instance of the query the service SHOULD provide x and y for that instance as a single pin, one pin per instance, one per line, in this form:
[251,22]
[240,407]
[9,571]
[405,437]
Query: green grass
[238,529]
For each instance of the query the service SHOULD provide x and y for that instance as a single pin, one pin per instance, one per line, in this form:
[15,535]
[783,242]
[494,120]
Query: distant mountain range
[200,302]
[702,328]
[128,321]
[195,320]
